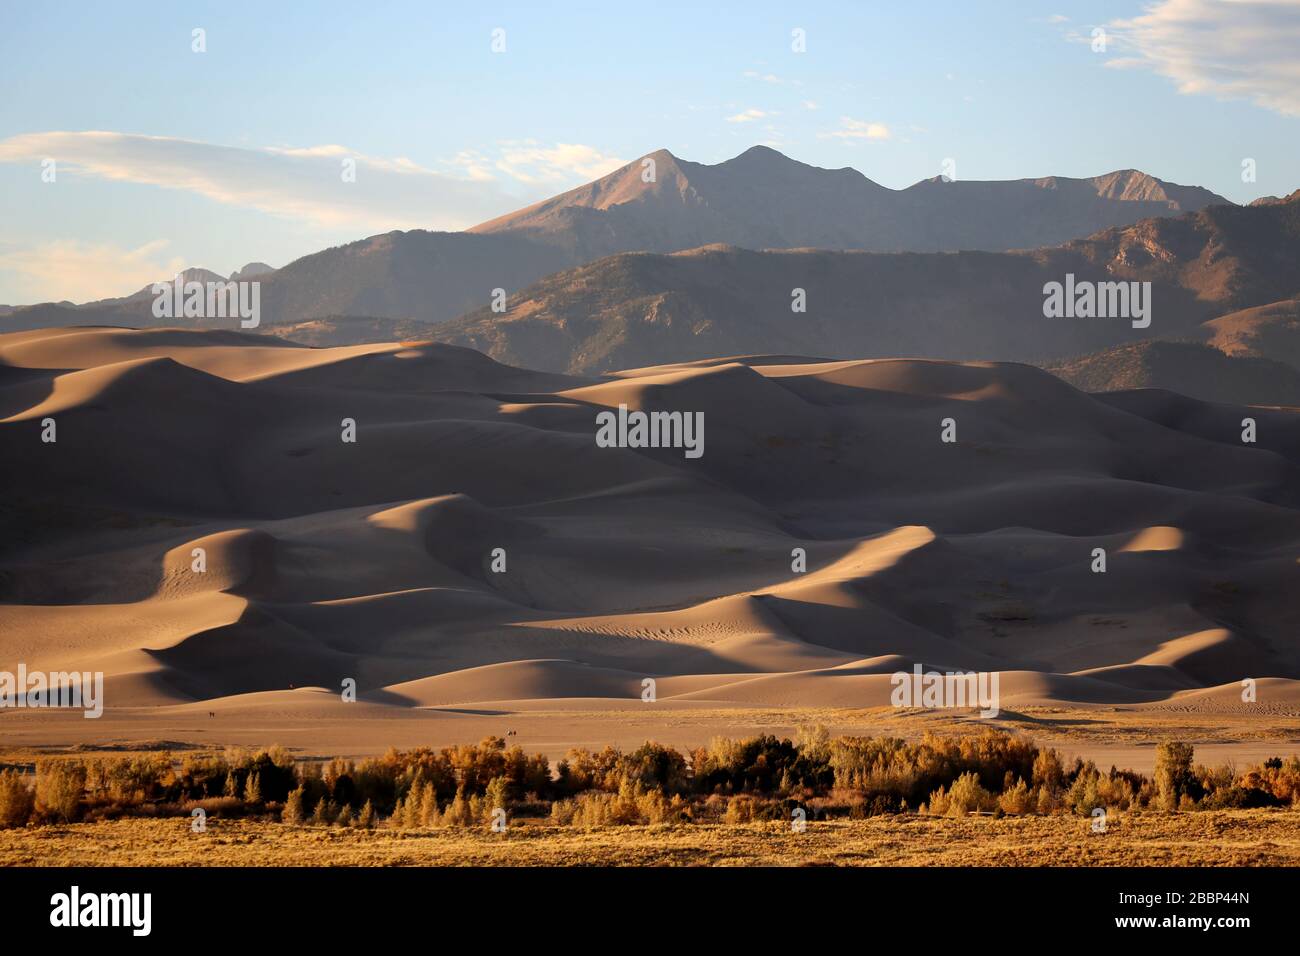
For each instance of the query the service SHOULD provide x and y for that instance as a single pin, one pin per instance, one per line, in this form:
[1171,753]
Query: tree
[498,794]
[414,806]
[1173,772]
[1047,770]
[367,819]
[294,812]
[323,816]
[253,791]
[429,807]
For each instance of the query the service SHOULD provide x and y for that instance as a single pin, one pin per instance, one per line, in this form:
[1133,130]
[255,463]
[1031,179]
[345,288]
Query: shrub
[740,809]
[563,811]
[59,788]
[1017,799]
[968,796]
[16,800]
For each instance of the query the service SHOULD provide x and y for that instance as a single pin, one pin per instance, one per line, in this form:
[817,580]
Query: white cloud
[810,104]
[1232,49]
[529,162]
[765,77]
[851,128]
[306,183]
[85,271]
[748,116]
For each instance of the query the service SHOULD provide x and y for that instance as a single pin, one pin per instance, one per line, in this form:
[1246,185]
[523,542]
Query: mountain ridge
[758,199]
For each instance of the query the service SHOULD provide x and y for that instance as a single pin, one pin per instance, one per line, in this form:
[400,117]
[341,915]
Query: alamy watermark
[945,690]
[1085,299]
[651,430]
[209,300]
[82,690]
[75,908]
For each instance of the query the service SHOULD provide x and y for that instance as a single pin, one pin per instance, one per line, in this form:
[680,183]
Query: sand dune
[475,546]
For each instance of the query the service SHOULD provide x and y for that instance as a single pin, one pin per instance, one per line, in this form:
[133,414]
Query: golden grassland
[1126,736]
[1214,838]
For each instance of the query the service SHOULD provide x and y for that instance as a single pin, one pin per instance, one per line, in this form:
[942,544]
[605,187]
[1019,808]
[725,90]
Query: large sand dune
[373,560]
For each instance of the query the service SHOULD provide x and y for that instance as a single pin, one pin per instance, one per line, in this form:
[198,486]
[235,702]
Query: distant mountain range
[641,309]
[761,199]
[699,261]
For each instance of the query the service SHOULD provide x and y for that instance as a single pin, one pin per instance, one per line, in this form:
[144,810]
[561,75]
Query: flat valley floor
[1209,838]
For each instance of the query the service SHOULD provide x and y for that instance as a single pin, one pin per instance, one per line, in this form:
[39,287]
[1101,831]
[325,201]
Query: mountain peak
[251,271]
[762,152]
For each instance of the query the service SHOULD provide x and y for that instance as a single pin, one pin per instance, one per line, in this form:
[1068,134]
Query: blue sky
[235,154]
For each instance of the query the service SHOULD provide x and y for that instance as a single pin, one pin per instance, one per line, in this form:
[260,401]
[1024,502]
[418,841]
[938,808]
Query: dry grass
[1224,838]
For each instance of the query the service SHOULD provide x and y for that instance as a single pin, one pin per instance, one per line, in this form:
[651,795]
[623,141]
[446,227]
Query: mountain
[252,270]
[641,309]
[764,200]
[757,200]
[134,310]
[185,276]
[425,276]
[334,330]
[1195,369]
[1266,331]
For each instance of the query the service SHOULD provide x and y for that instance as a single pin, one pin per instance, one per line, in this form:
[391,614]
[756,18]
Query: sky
[132,147]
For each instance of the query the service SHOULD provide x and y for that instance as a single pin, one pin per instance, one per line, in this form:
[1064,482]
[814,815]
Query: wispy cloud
[1232,49]
[747,116]
[85,271]
[308,183]
[851,128]
[765,77]
[527,161]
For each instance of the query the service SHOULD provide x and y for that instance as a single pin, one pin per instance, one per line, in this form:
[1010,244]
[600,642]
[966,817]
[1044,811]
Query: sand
[372,562]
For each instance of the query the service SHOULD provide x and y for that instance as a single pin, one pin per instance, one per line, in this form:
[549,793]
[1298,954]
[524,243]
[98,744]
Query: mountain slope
[642,309]
[1267,331]
[1195,369]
